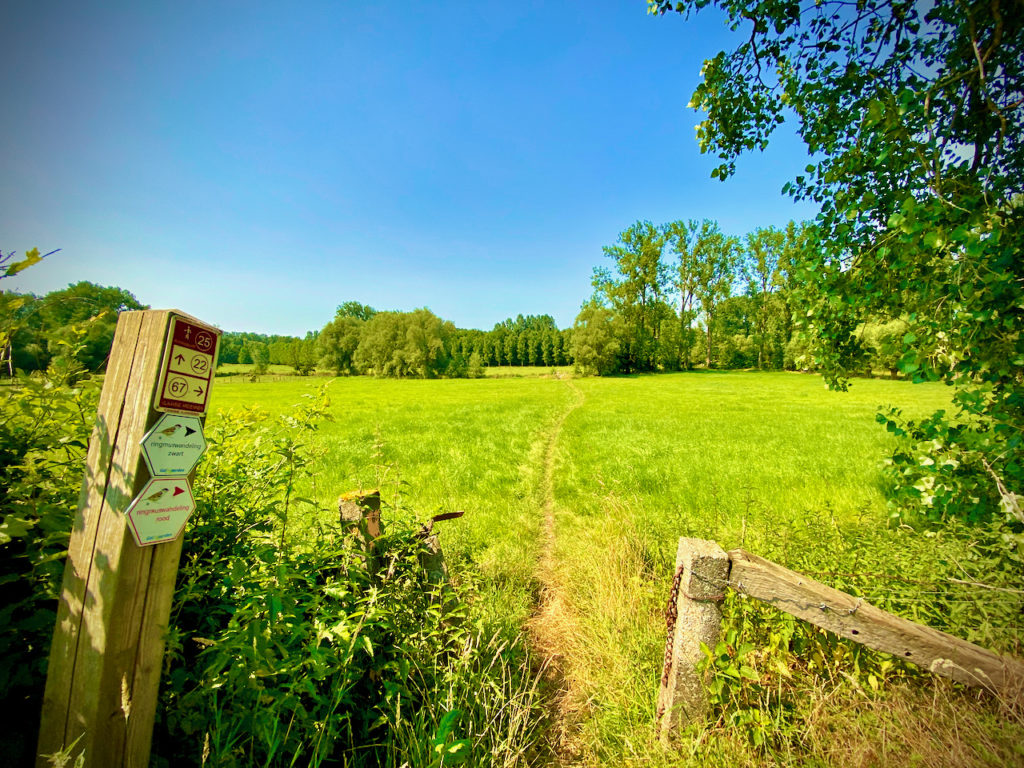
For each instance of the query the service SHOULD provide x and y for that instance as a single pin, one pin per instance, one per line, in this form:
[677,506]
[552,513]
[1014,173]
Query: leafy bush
[475,366]
[288,645]
[884,341]
[44,429]
[941,470]
[797,355]
[736,351]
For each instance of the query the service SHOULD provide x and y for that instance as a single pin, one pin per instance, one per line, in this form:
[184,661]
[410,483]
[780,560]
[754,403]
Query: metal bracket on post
[695,617]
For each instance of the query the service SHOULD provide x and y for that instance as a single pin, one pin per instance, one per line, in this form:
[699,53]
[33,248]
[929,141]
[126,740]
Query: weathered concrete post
[694,617]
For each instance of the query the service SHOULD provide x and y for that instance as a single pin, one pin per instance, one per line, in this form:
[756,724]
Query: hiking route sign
[159,513]
[173,446]
[187,371]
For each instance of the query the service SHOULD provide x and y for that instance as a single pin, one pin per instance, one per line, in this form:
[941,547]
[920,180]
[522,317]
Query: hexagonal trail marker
[173,446]
[160,511]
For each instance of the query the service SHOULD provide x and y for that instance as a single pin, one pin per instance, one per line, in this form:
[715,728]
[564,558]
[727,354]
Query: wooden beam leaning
[857,620]
[694,617]
[105,660]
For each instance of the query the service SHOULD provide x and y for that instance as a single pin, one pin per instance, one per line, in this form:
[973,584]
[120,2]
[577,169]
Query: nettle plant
[289,646]
[45,423]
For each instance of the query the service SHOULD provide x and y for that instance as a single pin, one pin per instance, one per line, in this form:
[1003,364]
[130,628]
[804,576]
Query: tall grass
[771,462]
[779,465]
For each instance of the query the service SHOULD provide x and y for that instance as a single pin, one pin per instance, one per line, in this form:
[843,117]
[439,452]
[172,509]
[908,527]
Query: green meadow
[622,467]
[431,447]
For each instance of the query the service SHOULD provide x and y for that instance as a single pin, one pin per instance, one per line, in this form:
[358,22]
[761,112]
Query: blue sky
[256,164]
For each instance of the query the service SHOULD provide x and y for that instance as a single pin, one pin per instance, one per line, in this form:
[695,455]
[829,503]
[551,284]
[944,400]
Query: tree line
[361,339]
[76,321]
[676,296]
[686,293]
[262,350]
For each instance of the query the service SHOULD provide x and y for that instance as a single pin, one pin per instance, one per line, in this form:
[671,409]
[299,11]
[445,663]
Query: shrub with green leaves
[289,646]
[44,429]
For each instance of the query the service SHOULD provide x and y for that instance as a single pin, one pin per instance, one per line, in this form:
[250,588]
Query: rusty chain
[671,611]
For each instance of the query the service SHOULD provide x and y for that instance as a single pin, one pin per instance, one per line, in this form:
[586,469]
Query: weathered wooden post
[362,510]
[694,617]
[105,660]
[432,557]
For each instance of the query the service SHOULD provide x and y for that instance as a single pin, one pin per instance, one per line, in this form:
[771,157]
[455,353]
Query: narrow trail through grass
[546,626]
[577,492]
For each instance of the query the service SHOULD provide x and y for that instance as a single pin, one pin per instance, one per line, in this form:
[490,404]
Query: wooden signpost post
[101,687]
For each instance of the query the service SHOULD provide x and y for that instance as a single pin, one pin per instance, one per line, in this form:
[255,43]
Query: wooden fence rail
[703,571]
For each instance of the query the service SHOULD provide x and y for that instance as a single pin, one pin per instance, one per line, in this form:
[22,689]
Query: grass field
[433,446]
[580,488]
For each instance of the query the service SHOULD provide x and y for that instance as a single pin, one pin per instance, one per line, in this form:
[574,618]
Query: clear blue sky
[256,164]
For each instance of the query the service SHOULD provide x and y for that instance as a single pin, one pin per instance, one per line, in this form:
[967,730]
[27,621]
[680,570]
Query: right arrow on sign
[173,446]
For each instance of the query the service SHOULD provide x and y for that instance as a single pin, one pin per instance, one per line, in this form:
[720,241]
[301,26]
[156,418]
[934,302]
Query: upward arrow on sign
[187,369]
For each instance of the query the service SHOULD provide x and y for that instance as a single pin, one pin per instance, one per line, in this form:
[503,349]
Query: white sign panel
[159,513]
[173,446]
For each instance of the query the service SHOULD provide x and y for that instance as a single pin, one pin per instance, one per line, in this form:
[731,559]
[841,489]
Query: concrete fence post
[693,616]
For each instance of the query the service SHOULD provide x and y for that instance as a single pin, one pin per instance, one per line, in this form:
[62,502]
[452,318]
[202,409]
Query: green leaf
[457,752]
[31,257]
[445,726]
[14,527]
